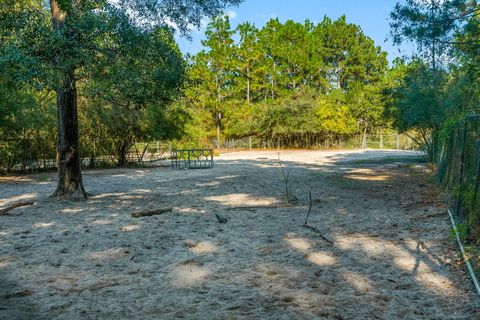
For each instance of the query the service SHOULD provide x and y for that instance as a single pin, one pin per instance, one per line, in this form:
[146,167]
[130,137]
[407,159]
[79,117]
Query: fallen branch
[309,208]
[148,213]
[253,208]
[16,205]
[319,233]
[286,177]
[365,236]
[432,215]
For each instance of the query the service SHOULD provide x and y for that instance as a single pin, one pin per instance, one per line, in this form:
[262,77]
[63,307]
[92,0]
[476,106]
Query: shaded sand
[391,257]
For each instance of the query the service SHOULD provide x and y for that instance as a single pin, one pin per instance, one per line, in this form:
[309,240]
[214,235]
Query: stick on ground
[15,205]
[319,234]
[148,213]
[309,207]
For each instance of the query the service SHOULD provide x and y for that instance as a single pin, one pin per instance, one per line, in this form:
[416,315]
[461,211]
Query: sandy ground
[391,256]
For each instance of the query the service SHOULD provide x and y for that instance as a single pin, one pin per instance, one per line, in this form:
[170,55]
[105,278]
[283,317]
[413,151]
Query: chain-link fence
[459,172]
[370,141]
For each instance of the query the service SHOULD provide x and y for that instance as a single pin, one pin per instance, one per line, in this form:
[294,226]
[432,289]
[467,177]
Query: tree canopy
[287,80]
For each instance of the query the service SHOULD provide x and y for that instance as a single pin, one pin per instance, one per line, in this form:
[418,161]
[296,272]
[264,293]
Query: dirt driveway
[382,252]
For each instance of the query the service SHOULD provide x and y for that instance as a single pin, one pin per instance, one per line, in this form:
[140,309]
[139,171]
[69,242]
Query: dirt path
[391,256]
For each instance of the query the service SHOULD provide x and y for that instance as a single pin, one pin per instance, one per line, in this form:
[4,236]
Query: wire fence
[32,155]
[459,173]
[37,153]
[369,141]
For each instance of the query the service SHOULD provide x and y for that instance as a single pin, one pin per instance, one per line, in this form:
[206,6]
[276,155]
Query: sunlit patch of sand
[242,199]
[227,177]
[6,261]
[26,196]
[15,179]
[368,177]
[141,191]
[299,243]
[360,282]
[189,210]
[204,247]
[70,210]
[44,224]
[102,222]
[105,195]
[189,275]
[208,184]
[401,257]
[107,254]
[266,166]
[131,197]
[130,227]
[321,258]
[434,281]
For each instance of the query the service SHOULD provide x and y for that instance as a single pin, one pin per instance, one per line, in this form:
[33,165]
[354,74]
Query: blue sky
[371,15]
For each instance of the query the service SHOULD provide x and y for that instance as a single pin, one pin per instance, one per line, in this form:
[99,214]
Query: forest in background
[295,83]
[298,83]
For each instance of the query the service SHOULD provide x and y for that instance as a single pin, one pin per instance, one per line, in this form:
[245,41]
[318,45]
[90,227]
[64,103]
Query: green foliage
[291,81]
[434,94]
[121,56]
[439,94]
[462,230]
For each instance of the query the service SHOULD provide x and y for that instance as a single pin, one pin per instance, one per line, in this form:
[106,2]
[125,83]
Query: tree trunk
[273,81]
[248,85]
[122,153]
[248,90]
[69,184]
[364,137]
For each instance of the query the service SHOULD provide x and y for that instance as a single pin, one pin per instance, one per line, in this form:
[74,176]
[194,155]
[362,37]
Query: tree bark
[364,137]
[69,184]
[248,85]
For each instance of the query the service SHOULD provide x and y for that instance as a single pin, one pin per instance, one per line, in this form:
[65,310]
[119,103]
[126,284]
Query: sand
[391,257]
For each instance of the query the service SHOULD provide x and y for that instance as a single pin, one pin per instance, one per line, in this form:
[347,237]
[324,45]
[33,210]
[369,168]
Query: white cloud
[231,14]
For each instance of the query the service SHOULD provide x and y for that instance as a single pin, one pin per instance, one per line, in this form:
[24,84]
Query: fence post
[250,142]
[381,140]
[475,212]
[462,169]
[398,141]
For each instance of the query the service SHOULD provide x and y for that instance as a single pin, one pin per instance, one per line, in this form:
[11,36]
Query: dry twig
[15,205]
[148,213]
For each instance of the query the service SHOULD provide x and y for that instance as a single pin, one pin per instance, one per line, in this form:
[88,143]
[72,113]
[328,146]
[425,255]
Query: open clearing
[391,257]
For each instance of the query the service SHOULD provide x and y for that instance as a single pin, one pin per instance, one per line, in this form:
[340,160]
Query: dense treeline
[439,86]
[437,93]
[296,82]
[114,64]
